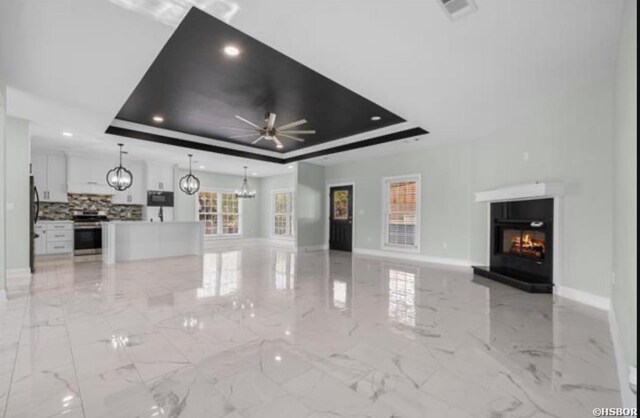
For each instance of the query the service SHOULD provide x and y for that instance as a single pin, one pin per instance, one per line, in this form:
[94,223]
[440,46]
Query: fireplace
[521,247]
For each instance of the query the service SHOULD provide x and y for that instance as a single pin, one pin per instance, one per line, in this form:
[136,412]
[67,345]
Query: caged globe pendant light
[245,192]
[189,184]
[120,178]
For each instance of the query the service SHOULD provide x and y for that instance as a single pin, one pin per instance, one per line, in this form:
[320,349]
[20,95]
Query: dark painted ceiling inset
[199,90]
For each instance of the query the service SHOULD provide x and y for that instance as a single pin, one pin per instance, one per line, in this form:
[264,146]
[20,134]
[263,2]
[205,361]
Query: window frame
[292,224]
[219,235]
[386,187]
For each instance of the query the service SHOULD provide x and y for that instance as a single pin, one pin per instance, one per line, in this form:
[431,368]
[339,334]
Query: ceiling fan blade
[277,141]
[238,129]
[292,137]
[247,121]
[297,132]
[271,121]
[292,124]
[244,135]
[258,140]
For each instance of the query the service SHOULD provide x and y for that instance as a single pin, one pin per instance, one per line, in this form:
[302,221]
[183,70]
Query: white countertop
[151,223]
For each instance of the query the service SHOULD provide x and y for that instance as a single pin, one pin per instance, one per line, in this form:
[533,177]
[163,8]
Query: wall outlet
[526,156]
[368,239]
[11,206]
[613,277]
[445,245]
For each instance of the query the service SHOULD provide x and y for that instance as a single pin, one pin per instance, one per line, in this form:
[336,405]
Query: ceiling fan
[272,133]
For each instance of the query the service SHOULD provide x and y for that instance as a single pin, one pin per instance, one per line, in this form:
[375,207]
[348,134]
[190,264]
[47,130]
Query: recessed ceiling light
[376,118]
[231,50]
[255,174]
[201,167]
[67,134]
[290,166]
[279,146]
[158,119]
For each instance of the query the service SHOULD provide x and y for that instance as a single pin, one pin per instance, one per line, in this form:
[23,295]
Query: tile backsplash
[52,211]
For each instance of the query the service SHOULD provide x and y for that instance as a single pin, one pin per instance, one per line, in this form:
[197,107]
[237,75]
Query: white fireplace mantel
[526,191]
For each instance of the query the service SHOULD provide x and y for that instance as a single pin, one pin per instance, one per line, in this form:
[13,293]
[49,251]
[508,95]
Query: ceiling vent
[457,9]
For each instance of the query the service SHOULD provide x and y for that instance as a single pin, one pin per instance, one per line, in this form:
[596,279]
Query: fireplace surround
[524,230]
[521,245]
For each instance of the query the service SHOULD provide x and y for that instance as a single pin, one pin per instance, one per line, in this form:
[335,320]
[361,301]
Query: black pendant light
[120,178]
[189,184]
[245,192]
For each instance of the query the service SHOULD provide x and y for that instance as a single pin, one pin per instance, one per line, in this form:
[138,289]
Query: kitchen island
[136,240]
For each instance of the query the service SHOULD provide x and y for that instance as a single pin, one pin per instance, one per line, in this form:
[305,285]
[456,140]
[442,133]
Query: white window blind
[283,219]
[402,212]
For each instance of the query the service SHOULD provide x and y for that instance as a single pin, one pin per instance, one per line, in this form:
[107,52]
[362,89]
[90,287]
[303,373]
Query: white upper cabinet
[50,175]
[89,175]
[159,177]
[39,171]
[57,178]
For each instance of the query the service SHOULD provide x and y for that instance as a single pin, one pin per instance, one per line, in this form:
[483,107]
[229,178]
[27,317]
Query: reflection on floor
[255,331]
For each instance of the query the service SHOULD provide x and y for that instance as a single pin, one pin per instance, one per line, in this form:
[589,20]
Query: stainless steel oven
[87,232]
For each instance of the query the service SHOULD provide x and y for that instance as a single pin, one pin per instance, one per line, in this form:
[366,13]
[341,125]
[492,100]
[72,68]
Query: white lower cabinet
[54,237]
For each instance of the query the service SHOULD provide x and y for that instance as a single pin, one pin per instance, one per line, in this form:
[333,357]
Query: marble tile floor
[256,331]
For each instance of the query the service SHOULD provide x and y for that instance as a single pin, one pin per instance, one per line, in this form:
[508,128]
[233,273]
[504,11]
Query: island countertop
[141,240]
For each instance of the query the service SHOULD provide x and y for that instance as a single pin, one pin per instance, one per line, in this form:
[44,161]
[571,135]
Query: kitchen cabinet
[89,175]
[53,237]
[50,176]
[137,193]
[160,177]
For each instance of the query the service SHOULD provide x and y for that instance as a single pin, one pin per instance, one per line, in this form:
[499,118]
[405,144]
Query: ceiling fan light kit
[270,132]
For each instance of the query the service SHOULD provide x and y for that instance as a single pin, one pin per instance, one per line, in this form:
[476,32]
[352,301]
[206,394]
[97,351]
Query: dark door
[341,218]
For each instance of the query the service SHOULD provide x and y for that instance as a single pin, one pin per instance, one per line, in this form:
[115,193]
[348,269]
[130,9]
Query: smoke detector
[457,9]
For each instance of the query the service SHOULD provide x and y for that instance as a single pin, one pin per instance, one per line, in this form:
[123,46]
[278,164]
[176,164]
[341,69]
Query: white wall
[267,186]
[568,139]
[625,260]
[17,193]
[185,206]
[310,205]
[3,265]
[445,190]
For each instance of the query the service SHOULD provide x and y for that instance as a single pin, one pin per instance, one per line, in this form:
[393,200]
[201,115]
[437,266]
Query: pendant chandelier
[120,178]
[189,184]
[245,192]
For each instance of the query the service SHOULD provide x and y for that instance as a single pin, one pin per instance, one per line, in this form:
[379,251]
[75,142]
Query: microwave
[159,198]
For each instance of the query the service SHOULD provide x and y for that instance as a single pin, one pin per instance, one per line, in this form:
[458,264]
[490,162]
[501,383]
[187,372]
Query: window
[401,223]
[283,219]
[220,211]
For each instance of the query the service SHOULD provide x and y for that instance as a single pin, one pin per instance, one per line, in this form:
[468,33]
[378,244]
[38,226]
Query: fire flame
[528,245]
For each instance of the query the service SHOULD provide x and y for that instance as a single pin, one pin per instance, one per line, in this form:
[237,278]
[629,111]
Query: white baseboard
[413,257]
[211,243]
[3,295]
[286,243]
[586,298]
[18,273]
[629,399]
[311,248]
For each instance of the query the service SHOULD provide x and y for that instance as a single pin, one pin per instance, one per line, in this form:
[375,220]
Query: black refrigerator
[34,210]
